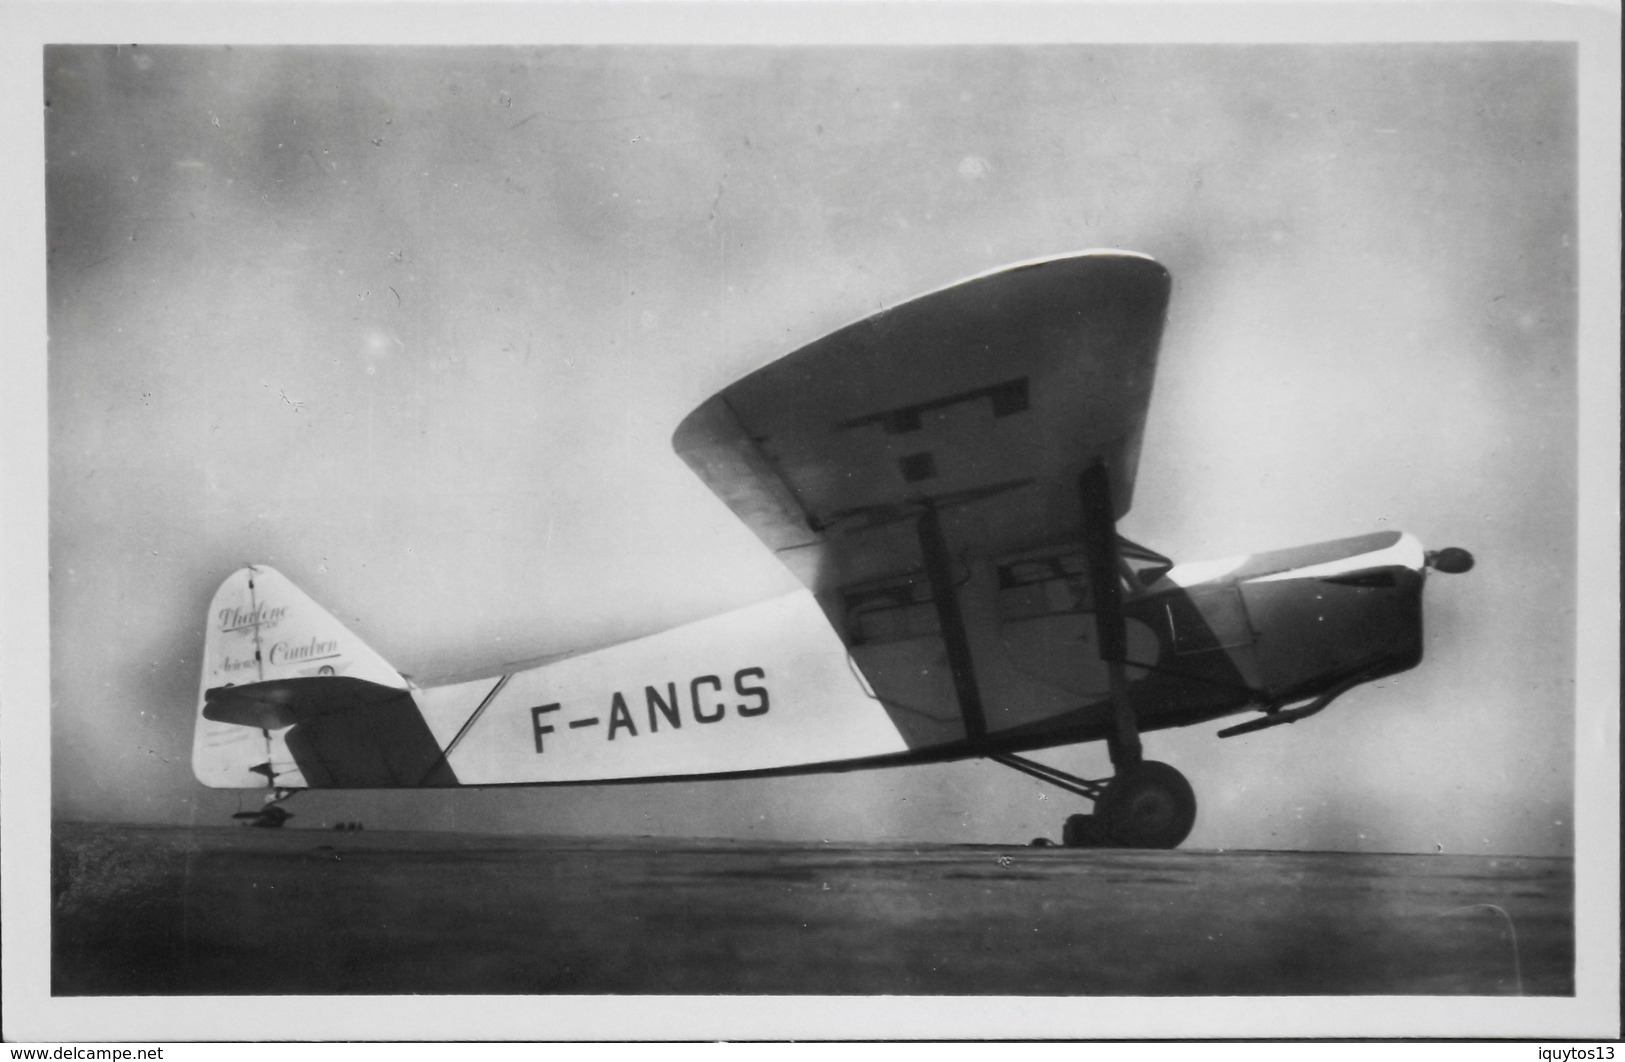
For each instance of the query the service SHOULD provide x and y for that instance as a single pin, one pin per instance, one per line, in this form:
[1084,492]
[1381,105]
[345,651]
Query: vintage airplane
[945,478]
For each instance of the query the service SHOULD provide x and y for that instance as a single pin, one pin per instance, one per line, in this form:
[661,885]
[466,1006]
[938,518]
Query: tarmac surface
[235,911]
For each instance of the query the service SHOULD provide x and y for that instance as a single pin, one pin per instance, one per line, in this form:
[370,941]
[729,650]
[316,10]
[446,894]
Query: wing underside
[985,399]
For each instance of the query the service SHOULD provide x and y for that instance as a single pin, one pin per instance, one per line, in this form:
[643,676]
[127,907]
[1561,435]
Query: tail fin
[261,629]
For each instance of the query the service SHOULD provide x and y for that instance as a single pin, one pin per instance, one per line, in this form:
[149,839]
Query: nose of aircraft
[1452,560]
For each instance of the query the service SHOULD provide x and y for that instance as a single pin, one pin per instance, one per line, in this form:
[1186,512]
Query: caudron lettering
[707,701]
[292,653]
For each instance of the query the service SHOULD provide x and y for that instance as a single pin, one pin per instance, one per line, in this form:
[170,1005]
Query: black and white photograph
[1112,515]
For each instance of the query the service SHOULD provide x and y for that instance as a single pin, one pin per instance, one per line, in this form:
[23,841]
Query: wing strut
[1100,544]
[939,570]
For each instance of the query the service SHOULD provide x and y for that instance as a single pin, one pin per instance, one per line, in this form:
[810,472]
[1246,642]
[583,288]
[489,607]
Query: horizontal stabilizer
[283,702]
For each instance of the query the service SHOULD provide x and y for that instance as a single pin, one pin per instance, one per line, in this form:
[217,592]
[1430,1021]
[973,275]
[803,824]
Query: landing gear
[271,815]
[1147,805]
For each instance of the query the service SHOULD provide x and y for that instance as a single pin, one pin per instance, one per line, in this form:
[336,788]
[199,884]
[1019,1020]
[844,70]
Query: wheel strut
[1093,789]
[1100,549]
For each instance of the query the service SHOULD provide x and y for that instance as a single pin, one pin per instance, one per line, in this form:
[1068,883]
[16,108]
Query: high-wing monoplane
[945,478]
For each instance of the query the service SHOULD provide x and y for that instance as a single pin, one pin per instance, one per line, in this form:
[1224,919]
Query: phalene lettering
[262,615]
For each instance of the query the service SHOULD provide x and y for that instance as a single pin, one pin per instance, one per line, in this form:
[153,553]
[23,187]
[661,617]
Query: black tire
[1148,805]
[1082,831]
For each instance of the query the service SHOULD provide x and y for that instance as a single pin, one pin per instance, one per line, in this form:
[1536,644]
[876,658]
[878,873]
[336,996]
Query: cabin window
[1044,582]
[890,610]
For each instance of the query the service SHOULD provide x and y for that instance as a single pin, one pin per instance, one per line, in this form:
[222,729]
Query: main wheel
[1148,805]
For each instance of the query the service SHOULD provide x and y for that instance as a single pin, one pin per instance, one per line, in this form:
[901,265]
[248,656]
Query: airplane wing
[984,400]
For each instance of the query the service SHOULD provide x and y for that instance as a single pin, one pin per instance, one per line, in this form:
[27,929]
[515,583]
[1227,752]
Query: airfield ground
[155,911]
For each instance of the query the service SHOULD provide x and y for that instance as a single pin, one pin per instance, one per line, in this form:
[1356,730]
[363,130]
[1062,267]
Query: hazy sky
[414,326]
